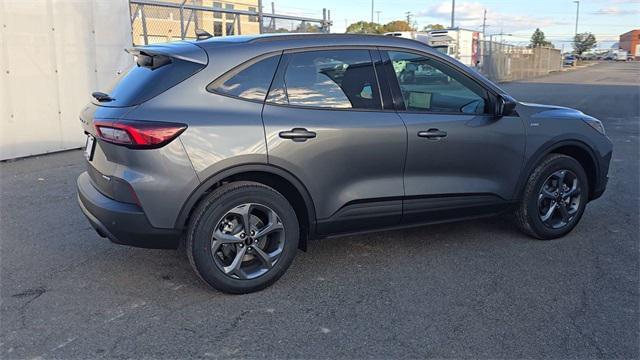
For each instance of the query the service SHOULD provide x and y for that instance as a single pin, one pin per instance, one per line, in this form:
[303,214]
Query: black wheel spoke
[263,257]
[234,267]
[220,238]
[574,190]
[545,193]
[273,226]
[561,175]
[244,212]
[564,213]
[549,213]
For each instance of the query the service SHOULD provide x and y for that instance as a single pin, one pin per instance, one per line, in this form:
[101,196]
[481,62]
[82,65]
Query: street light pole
[372,10]
[577,14]
[484,22]
[453,12]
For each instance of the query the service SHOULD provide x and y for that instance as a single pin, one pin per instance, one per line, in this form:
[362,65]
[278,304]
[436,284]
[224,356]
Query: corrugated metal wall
[54,53]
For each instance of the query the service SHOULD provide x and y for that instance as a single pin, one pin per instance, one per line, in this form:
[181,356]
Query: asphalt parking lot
[476,289]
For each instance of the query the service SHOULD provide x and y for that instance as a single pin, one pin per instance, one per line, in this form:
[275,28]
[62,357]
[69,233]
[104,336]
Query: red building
[631,43]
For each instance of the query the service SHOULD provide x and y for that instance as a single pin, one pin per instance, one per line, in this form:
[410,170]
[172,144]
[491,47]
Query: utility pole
[453,13]
[408,13]
[260,26]
[484,22]
[378,13]
[577,14]
[273,20]
[372,10]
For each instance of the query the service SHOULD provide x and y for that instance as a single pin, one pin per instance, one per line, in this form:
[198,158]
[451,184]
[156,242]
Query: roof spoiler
[179,50]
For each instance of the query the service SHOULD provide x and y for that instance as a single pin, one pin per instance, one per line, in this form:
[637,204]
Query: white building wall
[54,53]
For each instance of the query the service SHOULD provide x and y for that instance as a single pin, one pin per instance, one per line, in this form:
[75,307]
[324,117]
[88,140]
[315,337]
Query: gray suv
[247,147]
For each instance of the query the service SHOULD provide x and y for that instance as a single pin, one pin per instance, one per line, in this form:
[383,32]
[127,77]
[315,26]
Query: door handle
[297,134]
[434,134]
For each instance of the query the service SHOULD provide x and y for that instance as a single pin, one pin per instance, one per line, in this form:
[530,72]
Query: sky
[606,19]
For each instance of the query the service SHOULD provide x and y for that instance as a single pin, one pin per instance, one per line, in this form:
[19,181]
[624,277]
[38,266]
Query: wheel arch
[279,179]
[576,149]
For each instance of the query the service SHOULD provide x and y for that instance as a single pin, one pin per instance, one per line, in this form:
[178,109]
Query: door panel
[479,155]
[455,148]
[324,123]
[355,156]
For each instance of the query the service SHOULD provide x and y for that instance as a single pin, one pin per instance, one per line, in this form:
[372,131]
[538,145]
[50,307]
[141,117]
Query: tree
[538,40]
[584,42]
[364,27]
[307,28]
[433,27]
[397,25]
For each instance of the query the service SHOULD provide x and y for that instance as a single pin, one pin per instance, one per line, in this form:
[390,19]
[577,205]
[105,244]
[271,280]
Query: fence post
[182,20]
[260,27]
[237,20]
[145,36]
[195,20]
[324,20]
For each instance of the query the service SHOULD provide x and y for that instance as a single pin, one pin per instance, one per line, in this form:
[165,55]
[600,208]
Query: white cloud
[470,15]
[614,10]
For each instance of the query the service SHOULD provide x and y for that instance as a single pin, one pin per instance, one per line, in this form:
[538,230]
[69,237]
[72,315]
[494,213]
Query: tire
[262,260]
[539,198]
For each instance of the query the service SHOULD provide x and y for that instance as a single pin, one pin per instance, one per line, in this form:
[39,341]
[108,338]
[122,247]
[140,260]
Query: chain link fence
[502,62]
[162,21]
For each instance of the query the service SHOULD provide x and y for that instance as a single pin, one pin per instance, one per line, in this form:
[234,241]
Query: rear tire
[242,237]
[554,198]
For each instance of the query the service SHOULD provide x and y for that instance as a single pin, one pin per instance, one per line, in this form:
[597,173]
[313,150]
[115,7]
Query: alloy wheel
[248,241]
[559,199]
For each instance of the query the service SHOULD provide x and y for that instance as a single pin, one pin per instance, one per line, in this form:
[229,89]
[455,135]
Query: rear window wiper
[101,97]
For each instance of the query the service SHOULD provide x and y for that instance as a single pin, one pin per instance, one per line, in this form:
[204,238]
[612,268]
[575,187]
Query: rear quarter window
[250,81]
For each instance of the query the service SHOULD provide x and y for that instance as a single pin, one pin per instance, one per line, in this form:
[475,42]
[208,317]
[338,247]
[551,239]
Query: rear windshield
[141,83]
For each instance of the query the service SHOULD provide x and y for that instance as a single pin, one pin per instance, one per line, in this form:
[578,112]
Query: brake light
[138,134]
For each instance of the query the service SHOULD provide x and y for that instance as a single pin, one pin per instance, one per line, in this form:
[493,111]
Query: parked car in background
[621,55]
[247,147]
[569,60]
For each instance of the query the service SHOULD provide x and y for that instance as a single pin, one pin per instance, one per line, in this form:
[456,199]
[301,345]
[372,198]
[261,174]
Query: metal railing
[160,21]
[503,62]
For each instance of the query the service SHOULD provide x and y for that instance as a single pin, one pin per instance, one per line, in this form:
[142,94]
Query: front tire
[554,198]
[242,237]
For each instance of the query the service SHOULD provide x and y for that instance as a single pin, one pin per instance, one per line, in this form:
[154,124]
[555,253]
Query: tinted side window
[329,79]
[429,85]
[251,82]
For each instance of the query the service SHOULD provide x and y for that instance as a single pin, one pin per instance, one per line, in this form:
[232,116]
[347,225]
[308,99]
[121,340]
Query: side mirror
[505,105]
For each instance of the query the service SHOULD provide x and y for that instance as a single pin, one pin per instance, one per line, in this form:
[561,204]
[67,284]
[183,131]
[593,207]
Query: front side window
[343,79]
[430,85]
[251,82]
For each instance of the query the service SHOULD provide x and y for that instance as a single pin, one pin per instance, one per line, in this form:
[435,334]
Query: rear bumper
[122,223]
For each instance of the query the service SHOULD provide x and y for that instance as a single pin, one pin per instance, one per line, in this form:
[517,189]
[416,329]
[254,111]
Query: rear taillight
[138,134]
